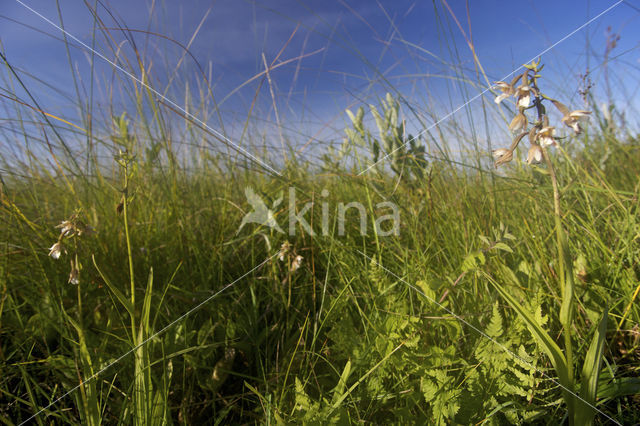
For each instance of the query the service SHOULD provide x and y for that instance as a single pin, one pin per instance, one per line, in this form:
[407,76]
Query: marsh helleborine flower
[297,262]
[67,228]
[505,88]
[572,118]
[534,155]
[284,250]
[545,136]
[523,94]
[55,250]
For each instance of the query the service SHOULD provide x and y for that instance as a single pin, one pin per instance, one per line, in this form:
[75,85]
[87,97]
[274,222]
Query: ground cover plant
[389,278]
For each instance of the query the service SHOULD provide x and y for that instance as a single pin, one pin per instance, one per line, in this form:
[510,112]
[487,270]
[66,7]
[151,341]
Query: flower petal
[519,122]
[546,141]
[534,155]
[501,97]
[55,250]
[580,115]
[524,101]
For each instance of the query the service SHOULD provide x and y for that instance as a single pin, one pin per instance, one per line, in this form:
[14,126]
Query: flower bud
[502,155]
[519,122]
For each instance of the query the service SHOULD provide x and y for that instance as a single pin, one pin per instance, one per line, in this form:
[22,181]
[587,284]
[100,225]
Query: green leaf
[376,150]
[472,261]
[567,307]
[590,373]
[159,413]
[620,387]
[379,121]
[359,117]
[351,116]
[146,307]
[503,246]
[338,391]
[494,330]
[485,240]
[540,170]
[426,290]
[121,297]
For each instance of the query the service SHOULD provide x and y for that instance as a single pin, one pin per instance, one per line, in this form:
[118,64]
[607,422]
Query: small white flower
[67,228]
[284,250]
[55,250]
[506,90]
[501,97]
[545,136]
[523,94]
[74,275]
[574,118]
[297,262]
[534,155]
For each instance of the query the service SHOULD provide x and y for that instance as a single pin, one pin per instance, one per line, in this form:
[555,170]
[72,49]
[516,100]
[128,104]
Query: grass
[351,336]
[344,309]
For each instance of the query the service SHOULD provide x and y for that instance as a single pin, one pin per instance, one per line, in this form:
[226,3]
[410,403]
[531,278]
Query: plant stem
[565,266]
[75,265]
[566,281]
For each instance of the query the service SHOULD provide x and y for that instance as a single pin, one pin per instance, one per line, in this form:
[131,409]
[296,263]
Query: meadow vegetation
[154,309]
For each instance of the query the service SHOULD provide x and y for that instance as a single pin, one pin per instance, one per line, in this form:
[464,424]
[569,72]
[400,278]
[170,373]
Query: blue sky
[343,54]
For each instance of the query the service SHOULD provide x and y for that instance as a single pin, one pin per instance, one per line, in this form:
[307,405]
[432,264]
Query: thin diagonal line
[489,88]
[119,68]
[482,333]
[171,324]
